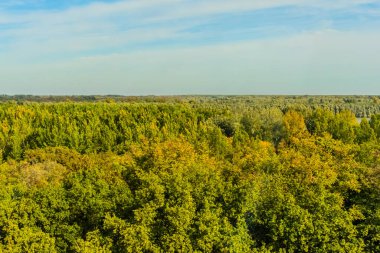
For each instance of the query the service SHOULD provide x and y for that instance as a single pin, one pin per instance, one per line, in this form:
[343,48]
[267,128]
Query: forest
[190,174]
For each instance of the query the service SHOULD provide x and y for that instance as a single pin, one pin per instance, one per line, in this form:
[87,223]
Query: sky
[171,47]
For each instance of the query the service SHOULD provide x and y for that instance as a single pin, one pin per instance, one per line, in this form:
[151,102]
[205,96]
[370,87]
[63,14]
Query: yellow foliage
[42,174]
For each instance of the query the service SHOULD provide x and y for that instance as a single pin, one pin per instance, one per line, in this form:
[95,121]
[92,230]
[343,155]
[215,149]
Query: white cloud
[41,55]
[111,25]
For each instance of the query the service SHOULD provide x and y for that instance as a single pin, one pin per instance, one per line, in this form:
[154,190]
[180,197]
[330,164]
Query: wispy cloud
[34,36]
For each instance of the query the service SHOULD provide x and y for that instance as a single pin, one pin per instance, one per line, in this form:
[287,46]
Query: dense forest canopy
[190,174]
[361,106]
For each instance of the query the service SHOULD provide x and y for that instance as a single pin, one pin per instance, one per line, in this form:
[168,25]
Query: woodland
[190,174]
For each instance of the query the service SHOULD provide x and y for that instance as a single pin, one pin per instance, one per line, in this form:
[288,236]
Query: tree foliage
[187,177]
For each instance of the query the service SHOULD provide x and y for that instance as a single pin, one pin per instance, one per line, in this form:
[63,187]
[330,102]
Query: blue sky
[142,47]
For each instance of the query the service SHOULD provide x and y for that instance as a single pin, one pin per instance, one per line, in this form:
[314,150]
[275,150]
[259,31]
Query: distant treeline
[190,174]
[361,106]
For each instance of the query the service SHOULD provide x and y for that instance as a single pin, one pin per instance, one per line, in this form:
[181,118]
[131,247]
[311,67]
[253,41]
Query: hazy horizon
[182,47]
